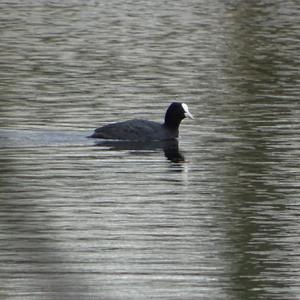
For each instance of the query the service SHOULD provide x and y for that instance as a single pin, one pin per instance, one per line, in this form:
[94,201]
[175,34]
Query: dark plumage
[143,130]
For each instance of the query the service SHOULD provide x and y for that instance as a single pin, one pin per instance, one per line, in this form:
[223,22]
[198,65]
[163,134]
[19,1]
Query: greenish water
[81,220]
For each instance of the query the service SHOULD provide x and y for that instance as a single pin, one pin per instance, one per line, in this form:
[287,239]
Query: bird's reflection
[169,147]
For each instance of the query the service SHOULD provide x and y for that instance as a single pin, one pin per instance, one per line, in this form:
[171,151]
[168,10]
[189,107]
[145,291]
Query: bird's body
[144,130]
[135,130]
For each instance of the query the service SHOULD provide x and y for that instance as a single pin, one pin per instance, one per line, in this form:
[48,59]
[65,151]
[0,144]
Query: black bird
[143,130]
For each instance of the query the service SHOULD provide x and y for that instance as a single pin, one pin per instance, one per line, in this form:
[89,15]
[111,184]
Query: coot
[143,130]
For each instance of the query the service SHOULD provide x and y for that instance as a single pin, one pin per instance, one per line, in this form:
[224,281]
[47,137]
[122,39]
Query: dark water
[214,217]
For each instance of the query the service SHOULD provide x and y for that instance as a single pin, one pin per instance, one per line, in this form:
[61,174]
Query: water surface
[216,216]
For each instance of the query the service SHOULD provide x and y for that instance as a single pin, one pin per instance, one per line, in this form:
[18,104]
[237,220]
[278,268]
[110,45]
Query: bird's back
[134,130]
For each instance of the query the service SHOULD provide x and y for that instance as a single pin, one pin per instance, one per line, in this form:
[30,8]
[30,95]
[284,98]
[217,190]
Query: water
[214,217]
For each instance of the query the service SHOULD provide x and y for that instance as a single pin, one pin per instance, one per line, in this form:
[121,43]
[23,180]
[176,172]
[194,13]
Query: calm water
[215,216]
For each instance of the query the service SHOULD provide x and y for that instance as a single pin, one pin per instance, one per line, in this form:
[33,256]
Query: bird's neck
[172,128]
[172,124]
